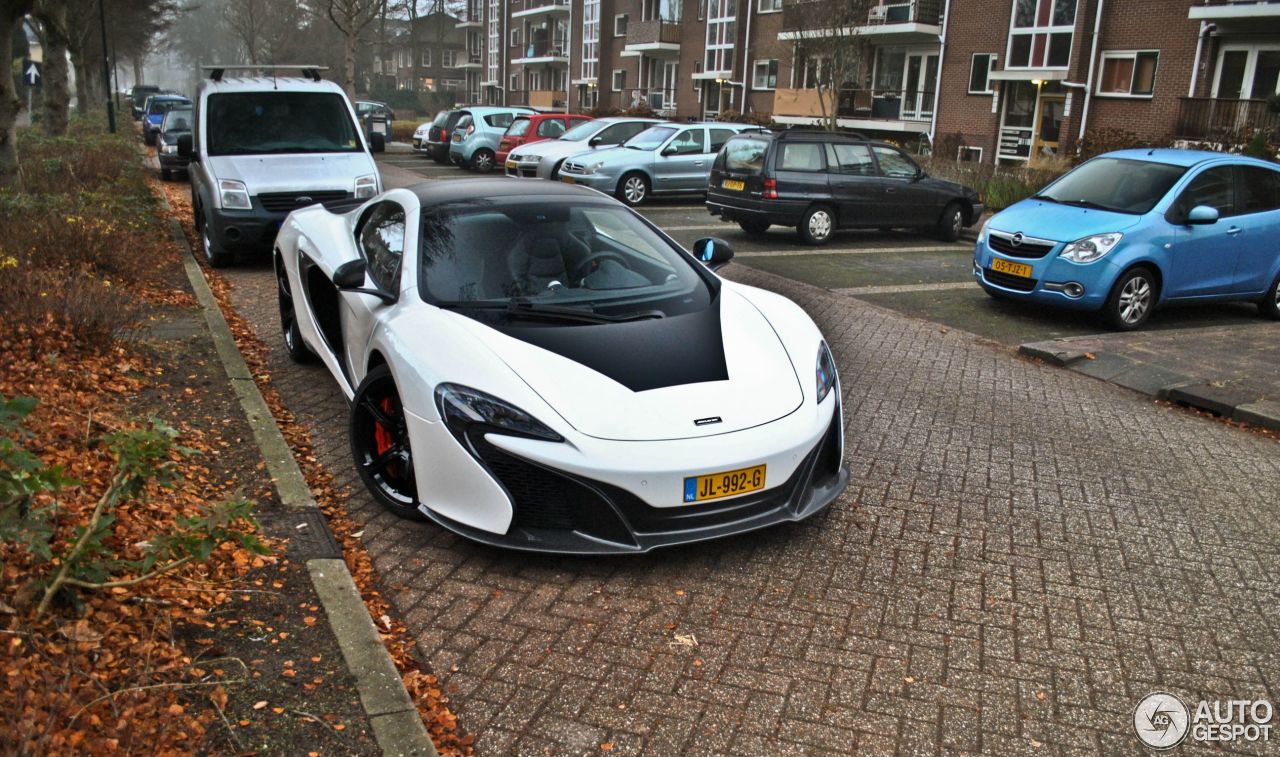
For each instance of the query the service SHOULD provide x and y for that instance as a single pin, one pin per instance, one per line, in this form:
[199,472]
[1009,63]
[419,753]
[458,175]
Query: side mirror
[185,146]
[714,252]
[595,142]
[1202,215]
[350,275]
[670,150]
[920,175]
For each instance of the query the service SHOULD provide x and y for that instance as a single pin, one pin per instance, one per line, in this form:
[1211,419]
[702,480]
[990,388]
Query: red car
[535,128]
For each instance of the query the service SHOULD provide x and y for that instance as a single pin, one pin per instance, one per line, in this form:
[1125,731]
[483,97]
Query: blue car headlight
[825,372]
[1091,248]
[462,407]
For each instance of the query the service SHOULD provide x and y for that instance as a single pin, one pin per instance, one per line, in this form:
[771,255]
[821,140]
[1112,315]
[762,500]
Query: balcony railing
[536,98]
[801,16]
[649,32]
[661,99]
[862,104]
[542,49]
[1222,119]
[528,5]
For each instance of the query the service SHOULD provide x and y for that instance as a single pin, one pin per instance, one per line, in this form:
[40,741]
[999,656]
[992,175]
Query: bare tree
[829,48]
[51,24]
[11,15]
[350,17]
[268,31]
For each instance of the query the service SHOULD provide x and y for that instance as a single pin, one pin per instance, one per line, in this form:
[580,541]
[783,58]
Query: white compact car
[554,373]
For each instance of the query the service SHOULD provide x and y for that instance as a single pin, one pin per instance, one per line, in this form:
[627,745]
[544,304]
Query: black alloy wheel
[380,445]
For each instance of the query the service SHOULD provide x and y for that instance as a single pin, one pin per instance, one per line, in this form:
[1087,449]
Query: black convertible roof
[438,192]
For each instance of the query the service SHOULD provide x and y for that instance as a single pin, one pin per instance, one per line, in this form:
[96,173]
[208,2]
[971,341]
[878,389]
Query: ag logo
[1016,239]
[1161,720]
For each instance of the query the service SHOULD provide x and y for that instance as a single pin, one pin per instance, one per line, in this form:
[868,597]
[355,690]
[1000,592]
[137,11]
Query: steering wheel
[580,271]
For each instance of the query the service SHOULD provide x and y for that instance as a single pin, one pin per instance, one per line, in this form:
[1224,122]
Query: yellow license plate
[511,164]
[736,186]
[726,484]
[1013,269]
[567,179]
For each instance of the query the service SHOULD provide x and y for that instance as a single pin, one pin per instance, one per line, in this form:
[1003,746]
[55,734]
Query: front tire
[214,255]
[951,222]
[1269,306]
[380,445]
[633,189]
[483,160]
[817,225]
[754,227]
[293,344]
[1132,299]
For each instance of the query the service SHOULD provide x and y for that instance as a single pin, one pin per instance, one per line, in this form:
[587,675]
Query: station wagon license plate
[734,185]
[1020,270]
[726,484]
[511,164]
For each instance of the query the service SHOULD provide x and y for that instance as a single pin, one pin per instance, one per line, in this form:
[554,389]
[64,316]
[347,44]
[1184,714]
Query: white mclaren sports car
[549,371]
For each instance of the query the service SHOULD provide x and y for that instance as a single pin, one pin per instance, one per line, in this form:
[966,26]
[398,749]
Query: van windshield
[265,123]
[1116,184]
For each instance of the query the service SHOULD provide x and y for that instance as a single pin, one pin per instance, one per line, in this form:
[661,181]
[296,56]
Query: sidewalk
[1230,372]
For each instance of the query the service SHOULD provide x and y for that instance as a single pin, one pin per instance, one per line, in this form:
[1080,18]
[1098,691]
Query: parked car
[138,95]
[542,159]
[264,147]
[1129,231]
[536,127]
[367,107]
[545,371]
[818,182]
[157,107]
[664,159]
[432,139]
[474,141]
[176,124]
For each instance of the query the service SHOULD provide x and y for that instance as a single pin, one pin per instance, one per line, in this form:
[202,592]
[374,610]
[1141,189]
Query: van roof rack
[310,71]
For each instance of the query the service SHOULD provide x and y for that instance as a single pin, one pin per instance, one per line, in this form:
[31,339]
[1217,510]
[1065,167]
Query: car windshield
[582,131]
[261,123]
[159,107]
[518,127]
[651,138]
[178,119]
[1116,184]
[441,117]
[531,253]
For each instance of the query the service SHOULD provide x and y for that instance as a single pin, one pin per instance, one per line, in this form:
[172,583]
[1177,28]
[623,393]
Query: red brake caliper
[382,438]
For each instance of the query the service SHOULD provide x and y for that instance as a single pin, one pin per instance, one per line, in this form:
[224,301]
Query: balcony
[1213,119]
[663,101]
[539,8]
[858,109]
[542,99]
[470,60]
[471,18]
[913,21]
[657,37]
[542,51]
[1236,14]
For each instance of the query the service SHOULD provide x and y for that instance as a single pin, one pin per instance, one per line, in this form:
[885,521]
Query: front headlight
[1091,248]
[982,233]
[418,132]
[530,158]
[235,196]
[825,371]
[366,186]
[594,167]
[462,407]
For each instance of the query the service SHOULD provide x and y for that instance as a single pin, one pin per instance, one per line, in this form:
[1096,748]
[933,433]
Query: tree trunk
[137,70]
[81,73]
[11,13]
[349,65]
[57,97]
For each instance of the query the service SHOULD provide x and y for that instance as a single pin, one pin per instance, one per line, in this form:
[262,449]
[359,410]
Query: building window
[619,80]
[493,51]
[515,37]
[765,75]
[620,25]
[590,40]
[515,82]
[1041,33]
[426,58]
[980,73]
[969,154]
[1247,72]
[769,6]
[721,34]
[814,71]
[449,58]
[1128,74]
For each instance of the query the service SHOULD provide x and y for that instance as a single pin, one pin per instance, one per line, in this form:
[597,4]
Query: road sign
[31,73]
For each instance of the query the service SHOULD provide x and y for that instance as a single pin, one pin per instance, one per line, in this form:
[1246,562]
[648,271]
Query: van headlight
[234,194]
[1091,248]
[366,186]
[825,372]
[462,407]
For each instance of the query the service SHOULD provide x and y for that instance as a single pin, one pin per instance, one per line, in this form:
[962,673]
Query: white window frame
[515,36]
[448,58]
[514,81]
[620,17]
[722,36]
[613,80]
[590,66]
[1048,31]
[768,6]
[1250,65]
[426,57]
[961,151]
[992,59]
[493,53]
[755,74]
[1126,55]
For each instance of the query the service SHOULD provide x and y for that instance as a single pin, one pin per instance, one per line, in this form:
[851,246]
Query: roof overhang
[1030,74]
[1233,11]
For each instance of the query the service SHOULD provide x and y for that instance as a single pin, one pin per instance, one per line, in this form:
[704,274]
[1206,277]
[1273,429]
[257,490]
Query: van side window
[852,160]
[381,238]
[1212,188]
[801,156]
[1259,189]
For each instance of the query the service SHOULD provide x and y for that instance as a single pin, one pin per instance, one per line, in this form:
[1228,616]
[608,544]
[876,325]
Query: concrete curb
[1159,383]
[397,726]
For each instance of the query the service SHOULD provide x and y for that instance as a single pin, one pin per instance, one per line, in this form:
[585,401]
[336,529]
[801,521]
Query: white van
[264,146]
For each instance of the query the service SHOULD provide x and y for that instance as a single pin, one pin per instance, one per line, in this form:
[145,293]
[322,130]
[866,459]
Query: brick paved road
[1022,554]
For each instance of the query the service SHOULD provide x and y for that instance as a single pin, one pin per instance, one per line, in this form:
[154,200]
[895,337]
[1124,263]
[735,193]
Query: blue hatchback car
[157,107]
[1131,230]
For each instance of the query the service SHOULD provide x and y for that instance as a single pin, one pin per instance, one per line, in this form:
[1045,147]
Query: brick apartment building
[1008,80]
